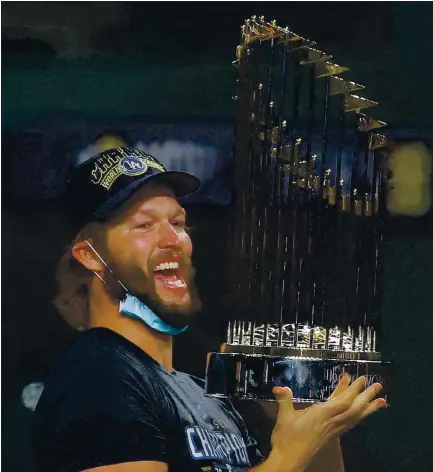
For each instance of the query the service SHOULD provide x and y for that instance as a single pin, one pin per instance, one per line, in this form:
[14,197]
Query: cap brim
[182,183]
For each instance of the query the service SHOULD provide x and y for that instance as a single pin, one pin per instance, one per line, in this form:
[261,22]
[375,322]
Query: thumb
[284,398]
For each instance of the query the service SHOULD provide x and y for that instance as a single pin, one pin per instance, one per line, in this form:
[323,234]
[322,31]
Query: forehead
[150,198]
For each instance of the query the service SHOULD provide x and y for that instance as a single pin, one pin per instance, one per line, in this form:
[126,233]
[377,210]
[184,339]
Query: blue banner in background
[41,160]
[38,161]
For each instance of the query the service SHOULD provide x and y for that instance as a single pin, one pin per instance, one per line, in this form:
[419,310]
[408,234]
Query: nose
[169,237]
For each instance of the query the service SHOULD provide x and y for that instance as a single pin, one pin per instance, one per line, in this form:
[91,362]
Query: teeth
[167,265]
[176,283]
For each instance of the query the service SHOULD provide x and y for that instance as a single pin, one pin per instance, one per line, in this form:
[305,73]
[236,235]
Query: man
[115,403]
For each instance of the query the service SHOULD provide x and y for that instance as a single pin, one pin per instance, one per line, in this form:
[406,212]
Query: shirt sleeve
[101,418]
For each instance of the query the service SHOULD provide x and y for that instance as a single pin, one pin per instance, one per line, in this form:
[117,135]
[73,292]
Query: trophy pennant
[377,140]
[356,103]
[367,123]
[310,55]
[290,153]
[325,69]
[294,42]
[340,86]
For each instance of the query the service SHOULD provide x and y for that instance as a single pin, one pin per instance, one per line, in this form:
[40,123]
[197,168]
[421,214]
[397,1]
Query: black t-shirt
[108,402]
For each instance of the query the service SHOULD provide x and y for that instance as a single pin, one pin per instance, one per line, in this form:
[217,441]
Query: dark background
[109,65]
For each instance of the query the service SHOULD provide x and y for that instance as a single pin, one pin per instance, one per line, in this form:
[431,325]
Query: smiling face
[149,251]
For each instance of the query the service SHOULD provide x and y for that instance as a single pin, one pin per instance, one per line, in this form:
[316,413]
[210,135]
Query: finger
[358,406]
[284,397]
[342,403]
[335,407]
[355,389]
[370,394]
[341,387]
[373,406]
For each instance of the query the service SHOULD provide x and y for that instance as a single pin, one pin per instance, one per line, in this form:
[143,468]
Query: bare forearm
[328,458]
[277,463]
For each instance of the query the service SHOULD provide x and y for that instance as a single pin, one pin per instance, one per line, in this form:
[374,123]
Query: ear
[86,257]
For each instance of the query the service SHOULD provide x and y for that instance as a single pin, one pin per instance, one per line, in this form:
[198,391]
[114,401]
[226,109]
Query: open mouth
[170,274]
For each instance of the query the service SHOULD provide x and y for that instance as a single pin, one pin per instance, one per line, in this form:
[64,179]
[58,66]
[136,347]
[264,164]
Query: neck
[104,313]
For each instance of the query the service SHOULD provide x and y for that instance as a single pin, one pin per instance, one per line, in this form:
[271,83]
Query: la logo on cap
[109,166]
[132,165]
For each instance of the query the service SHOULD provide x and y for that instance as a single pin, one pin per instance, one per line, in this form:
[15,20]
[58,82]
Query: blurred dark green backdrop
[111,62]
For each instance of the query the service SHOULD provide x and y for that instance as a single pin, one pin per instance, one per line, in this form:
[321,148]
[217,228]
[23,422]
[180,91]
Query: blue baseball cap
[101,184]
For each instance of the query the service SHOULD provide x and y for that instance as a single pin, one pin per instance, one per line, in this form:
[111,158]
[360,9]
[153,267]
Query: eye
[144,225]
[181,224]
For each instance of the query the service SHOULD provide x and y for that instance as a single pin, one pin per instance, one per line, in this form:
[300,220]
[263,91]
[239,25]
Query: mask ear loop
[100,278]
[106,266]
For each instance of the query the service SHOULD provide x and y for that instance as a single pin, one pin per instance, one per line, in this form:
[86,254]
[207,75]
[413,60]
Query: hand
[342,386]
[298,435]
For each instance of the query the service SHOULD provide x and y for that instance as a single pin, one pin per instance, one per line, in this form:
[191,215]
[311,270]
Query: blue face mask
[131,306]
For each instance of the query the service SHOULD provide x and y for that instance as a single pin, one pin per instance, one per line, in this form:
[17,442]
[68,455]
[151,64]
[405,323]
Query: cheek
[187,244]
[131,250]
[140,251]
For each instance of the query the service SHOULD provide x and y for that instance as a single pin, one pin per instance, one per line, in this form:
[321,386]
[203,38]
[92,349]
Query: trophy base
[252,376]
